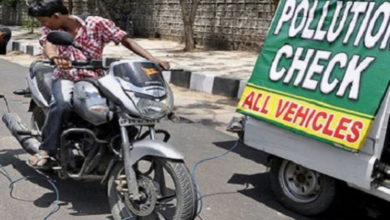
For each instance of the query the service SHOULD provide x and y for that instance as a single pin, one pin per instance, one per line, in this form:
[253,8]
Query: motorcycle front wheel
[166,188]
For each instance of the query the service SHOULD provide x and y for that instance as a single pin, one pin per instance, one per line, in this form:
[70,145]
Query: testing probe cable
[235,126]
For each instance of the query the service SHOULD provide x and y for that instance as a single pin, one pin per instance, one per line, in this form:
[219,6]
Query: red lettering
[249,100]
[280,110]
[326,130]
[264,109]
[290,111]
[256,102]
[315,126]
[356,127]
[301,114]
[341,127]
[310,118]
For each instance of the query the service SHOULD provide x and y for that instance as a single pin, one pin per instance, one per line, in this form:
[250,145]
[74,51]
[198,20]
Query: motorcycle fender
[146,148]
[153,148]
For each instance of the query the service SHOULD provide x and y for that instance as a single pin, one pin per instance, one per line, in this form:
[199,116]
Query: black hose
[12,182]
[195,166]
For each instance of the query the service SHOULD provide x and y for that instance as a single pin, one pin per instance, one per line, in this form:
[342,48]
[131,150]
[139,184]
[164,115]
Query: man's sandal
[42,161]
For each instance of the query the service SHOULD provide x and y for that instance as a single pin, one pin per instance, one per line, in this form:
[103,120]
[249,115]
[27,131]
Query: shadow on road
[84,198]
[349,204]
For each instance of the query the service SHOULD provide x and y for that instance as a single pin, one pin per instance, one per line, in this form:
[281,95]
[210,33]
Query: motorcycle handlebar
[83,64]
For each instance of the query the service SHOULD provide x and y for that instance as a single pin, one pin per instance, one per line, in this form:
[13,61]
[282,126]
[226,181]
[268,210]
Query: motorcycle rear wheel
[178,203]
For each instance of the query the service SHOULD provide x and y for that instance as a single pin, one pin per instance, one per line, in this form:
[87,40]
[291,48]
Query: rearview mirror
[60,38]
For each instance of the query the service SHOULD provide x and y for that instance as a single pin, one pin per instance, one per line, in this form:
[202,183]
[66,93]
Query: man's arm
[50,51]
[136,48]
[110,32]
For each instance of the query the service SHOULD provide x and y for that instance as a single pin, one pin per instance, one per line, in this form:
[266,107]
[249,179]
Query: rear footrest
[24,92]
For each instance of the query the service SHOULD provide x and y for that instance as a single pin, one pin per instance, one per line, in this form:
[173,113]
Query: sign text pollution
[323,70]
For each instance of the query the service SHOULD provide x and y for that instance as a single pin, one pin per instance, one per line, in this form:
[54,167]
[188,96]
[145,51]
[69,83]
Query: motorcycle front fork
[131,178]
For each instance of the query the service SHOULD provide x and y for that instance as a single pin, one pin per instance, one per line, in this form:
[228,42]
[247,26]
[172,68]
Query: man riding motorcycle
[91,34]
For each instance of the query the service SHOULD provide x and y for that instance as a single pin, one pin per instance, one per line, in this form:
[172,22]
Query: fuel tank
[89,104]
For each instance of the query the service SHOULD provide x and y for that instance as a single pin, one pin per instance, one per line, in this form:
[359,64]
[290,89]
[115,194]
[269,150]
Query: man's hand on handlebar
[164,64]
[61,62]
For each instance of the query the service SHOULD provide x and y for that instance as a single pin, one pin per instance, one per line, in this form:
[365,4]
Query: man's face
[2,38]
[52,22]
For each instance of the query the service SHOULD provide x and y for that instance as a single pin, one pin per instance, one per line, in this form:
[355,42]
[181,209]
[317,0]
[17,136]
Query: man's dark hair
[47,8]
[7,35]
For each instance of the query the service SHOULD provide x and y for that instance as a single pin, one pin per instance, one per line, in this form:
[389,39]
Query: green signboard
[323,70]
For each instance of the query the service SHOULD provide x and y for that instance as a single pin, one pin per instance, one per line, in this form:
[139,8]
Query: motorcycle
[105,137]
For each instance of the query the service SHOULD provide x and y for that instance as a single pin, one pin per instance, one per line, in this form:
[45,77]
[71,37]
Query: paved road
[235,187]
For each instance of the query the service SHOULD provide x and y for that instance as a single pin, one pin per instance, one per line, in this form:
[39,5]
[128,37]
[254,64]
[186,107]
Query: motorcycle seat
[43,74]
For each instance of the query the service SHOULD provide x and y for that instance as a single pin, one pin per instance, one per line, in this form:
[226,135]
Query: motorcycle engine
[76,156]
[76,152]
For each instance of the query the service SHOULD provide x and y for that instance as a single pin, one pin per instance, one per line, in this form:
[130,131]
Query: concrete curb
[216,85]
[32,50]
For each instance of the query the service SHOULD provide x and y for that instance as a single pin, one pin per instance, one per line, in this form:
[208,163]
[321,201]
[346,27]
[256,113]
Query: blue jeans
[59,110]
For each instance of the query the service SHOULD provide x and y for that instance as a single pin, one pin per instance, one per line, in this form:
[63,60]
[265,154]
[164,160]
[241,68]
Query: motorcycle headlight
[156,108]
[153,101]
[152,109]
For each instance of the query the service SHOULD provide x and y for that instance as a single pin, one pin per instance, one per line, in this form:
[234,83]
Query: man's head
[48,13]
[5,35]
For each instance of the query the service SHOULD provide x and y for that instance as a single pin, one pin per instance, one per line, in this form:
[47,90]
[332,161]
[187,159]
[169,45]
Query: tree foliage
[30,23]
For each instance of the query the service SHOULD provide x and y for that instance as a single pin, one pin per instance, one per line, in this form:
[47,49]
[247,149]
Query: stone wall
[125,13]
[16,14]
[221,24]
[13,14]
[79,6]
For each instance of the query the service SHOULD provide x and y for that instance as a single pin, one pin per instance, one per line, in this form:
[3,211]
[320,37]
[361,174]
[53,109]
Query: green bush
[30,24]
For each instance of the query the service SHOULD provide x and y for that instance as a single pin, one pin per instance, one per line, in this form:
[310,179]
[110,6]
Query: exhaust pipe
[29,143]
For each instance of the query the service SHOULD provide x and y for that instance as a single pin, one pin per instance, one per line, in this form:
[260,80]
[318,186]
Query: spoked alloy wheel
[300,189]
[166,189]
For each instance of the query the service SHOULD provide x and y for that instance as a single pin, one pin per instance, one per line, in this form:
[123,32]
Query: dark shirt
[7,31]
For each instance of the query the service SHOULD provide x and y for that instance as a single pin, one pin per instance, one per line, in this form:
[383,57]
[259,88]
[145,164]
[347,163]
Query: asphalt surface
[235,186]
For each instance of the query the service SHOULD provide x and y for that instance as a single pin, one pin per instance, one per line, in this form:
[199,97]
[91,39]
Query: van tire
[300,189]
